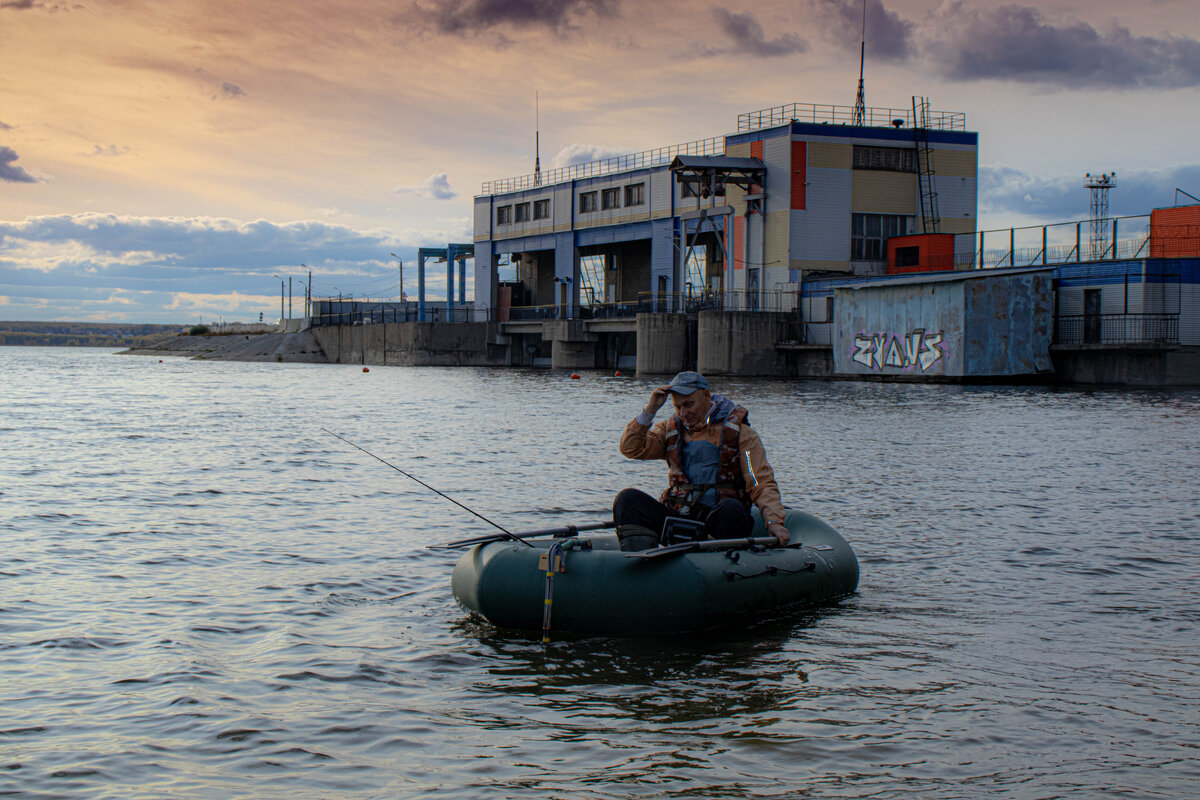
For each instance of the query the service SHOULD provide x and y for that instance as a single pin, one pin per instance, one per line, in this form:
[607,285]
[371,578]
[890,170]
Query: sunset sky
[160,161]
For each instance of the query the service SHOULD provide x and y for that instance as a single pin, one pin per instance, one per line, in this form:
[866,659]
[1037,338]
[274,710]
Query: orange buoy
[366,370]
[574,376]
[618,373]
[160,361]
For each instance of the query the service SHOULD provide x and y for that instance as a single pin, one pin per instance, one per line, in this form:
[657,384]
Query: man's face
[692,408]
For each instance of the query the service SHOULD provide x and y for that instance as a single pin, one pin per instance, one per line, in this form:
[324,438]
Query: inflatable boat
[587,584]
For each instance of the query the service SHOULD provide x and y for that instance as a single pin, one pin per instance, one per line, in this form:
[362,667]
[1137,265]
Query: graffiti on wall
[917,349]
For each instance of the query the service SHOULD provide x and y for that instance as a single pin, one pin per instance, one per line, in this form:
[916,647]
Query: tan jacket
[649,443]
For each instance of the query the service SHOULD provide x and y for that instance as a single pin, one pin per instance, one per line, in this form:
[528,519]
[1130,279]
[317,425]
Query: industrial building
[735,222]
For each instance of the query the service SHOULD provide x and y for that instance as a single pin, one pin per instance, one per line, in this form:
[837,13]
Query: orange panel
[935,252]
[1175,232]
[799,174]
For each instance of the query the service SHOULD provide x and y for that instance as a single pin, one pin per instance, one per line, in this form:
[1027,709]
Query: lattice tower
[1099,186]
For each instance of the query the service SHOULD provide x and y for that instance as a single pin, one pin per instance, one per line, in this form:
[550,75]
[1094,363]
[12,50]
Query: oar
[705,545]
[565,530]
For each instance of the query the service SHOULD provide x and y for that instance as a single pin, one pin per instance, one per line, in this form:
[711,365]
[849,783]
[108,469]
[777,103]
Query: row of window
[635,195]
[602,200]
[520,212]
[895,159]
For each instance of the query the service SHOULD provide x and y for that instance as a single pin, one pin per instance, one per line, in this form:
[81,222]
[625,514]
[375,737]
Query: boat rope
[770,569]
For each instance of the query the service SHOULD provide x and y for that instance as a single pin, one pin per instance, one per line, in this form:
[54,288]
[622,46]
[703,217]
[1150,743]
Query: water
[202,595]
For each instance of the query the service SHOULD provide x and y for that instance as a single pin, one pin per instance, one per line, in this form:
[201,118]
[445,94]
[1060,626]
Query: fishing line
[427,486]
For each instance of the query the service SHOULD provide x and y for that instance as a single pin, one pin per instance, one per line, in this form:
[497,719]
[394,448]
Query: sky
[164,161]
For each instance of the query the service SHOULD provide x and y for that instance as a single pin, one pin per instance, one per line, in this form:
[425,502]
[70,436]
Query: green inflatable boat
[586,584]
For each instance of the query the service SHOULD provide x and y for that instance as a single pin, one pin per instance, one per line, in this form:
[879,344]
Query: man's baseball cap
[687,382]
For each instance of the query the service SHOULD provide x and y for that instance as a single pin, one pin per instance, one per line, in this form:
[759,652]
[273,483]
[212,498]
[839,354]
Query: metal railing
[606,166]
[844,115]
[350,312]
[1116,329]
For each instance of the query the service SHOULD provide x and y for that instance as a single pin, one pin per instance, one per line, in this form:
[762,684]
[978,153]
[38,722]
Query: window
[610,198]
[522,212]
[869,234]
[896,159]
[504,215]
[541,209]
[587,202]
[635,195]
[908,256]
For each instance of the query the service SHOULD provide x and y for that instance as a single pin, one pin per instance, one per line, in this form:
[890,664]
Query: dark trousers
[728,519]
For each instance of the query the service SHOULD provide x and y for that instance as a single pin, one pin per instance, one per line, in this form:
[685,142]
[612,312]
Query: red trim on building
[799,175]
[739,230]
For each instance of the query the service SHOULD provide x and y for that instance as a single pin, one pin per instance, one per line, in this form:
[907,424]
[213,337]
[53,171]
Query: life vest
[681,494]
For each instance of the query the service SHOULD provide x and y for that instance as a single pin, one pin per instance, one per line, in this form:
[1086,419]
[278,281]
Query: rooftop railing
[844,115]
[606,166]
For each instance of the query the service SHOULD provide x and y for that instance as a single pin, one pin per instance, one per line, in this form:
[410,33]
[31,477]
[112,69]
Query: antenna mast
[537,139]
[860,103]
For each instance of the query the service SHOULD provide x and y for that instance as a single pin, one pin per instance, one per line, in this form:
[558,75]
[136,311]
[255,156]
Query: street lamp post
[281,318]
[401,262]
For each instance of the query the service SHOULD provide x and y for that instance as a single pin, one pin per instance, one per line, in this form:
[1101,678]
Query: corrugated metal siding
[830,155]
[775,251]
[914,329]
[1189,317]
[1009,325]
[955,162]
[483,276]
[483,218]
[564,197]
[821,233]
[957,199]
[661,186]
[880,192]
[662,253]
[741,150]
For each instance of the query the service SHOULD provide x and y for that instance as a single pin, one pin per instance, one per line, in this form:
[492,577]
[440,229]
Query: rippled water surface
[202,595]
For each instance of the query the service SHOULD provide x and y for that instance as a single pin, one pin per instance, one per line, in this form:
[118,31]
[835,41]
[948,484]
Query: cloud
[9,171]
[749,38]
[111,151]
[1006,190]
[574,154]
[435,187]
[76,266]
[231,91]
[472,17]
[1018,43]
[889,37]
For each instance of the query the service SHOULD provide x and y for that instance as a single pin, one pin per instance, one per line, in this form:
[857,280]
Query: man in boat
[717,468]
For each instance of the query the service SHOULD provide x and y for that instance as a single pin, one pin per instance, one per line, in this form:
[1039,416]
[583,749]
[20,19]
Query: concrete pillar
[572,355]
[739,343]
[661,343]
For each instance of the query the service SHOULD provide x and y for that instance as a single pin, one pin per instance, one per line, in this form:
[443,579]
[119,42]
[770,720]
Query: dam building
[566,259]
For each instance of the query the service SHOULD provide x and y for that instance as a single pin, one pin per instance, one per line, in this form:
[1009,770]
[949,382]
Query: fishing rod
[507,532]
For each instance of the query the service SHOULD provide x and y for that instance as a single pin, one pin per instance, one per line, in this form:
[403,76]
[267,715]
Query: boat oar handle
[706,545]
[562,530]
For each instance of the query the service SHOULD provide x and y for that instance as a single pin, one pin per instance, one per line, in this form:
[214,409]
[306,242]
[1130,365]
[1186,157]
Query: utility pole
[289,296]
[401,262]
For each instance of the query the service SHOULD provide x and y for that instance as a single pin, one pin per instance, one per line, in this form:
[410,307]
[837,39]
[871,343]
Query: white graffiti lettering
[917,348]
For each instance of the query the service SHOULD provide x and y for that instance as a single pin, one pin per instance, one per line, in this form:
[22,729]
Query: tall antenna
[537,139]
[1099,186]
[860,103]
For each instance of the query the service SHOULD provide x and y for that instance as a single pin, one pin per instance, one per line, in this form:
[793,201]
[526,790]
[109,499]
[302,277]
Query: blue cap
[687,382]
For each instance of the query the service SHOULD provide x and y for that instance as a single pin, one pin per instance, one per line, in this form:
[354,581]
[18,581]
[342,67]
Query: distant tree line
[85,334]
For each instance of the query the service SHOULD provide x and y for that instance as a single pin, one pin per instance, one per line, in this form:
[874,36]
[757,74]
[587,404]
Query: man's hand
[657,398]
[780,532]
